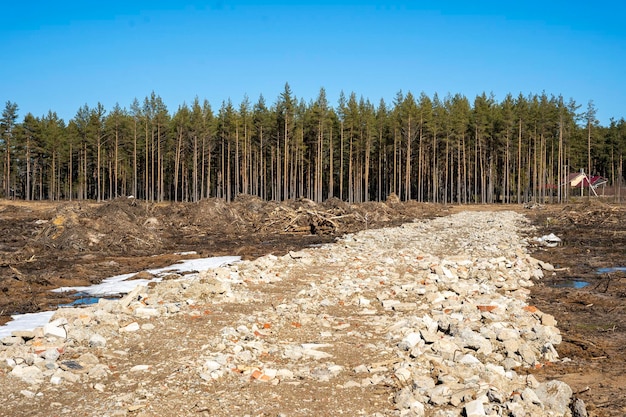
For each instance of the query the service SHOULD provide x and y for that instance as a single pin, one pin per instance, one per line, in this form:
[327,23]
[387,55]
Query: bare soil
[592,319]
[47,245]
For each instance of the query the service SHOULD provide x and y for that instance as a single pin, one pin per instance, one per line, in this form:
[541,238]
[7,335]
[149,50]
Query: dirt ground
[46,245]
[592,319]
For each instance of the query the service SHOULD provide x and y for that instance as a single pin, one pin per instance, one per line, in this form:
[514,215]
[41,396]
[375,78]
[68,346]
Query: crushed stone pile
[427,319]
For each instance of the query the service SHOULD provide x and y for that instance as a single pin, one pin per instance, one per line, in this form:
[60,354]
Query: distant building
[581,180]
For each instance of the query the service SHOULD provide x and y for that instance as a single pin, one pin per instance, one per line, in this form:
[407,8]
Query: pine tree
[7,134]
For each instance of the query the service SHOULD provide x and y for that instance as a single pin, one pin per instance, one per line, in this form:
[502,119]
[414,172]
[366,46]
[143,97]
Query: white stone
[139,368]
[316,354]
[529,396]
[147,312]
[99,371]
[546,266]
[97,341]
[51,354]
[362,301]
[410,340]
[555,395]
[548,320]
[27,393]
[285,374]
[507,334]
[403,374]
[54,328]
[474,409]
[211,365]
[389,304]
[469,360]
[12,340]
[361,369]
[28,374]
[132,327]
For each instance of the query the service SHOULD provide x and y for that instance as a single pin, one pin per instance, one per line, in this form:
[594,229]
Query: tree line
[423,148]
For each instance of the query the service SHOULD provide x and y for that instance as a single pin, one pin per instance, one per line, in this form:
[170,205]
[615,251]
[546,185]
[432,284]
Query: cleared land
[46,245]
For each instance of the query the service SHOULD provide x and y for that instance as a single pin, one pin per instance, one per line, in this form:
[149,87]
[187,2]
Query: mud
[592,319]
[47,245]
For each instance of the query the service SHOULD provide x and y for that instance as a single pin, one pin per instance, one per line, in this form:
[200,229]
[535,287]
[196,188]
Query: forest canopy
[429,149]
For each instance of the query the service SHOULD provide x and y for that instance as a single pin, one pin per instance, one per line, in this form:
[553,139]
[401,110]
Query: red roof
[576,181]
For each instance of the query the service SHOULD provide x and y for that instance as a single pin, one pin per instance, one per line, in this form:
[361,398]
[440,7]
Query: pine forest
[450,150]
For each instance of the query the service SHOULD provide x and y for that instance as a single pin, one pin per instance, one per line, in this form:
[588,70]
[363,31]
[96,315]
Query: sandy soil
[47,245]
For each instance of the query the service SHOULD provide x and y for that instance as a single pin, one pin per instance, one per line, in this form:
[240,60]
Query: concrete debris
[435,312]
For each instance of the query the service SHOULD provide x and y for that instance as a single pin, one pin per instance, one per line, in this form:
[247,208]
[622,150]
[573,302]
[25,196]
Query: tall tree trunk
[236,163]
[71,168]
[619,181]
[420,165]
[260,174]
[367,166]
[395,162]
[588,156]
[159,165]
[229,185]
[28,169]
[447,171]
[86,178]
[460,180]
[7,142]
[99,196]
[560,174]
[202,168]
[135,190]
[278,194]
[152,171]
[350,173]
[208,172]
[177,162]
[407,172]
[519,162]
[194,169]
[435,182]
[341,164]
[286,160]
[380,166]
[117,146]
[147,167]
[331,175]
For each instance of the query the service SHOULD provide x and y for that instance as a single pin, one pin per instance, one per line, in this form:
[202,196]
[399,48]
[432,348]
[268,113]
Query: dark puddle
[570,283]
[83,300]
[611,269]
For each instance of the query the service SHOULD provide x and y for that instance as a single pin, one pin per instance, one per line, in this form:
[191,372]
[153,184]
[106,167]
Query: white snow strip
[119,284]
[197,265]
[115,285]
[28,321]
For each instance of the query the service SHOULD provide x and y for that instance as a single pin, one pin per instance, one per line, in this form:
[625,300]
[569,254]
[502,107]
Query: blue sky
[61,55]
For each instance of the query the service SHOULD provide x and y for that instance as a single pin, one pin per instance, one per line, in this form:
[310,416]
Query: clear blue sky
[61,55]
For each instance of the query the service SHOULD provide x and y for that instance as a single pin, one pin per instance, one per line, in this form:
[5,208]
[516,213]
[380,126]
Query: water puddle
[611,269]
[113,287]
[570,283]
[83,300]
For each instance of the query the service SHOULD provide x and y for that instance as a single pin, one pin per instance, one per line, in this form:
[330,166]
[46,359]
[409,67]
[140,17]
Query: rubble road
[427,319]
